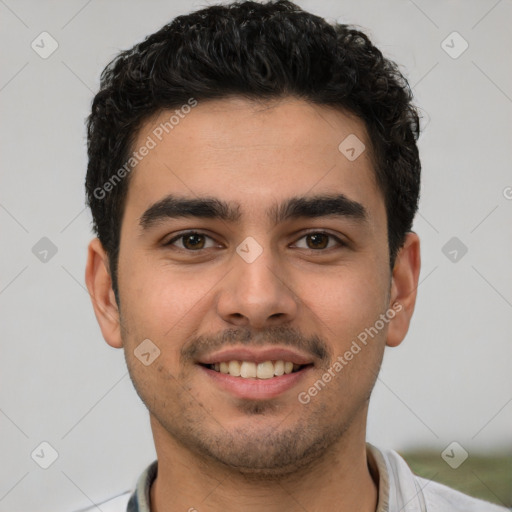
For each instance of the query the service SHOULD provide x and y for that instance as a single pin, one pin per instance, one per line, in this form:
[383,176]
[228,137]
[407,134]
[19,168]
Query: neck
[340,481]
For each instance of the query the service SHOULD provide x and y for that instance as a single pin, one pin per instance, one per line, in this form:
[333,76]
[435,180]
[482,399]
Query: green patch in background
[486,477]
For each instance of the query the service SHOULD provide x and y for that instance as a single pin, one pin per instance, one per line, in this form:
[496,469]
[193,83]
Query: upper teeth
[249,369]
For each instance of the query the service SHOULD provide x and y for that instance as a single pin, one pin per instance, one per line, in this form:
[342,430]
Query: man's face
[257,285]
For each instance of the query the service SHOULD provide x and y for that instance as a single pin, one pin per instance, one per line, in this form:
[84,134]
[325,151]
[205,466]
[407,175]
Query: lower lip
[256,389]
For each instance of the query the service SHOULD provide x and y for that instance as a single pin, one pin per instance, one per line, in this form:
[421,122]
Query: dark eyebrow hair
[318,206]
[176,207]
[211,208]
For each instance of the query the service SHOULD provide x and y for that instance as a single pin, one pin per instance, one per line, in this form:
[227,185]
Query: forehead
[253,153]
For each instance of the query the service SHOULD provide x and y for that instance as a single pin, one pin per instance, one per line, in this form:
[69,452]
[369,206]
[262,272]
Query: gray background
[61,383]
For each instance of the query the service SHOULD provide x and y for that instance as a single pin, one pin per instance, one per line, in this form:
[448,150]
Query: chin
[260,454]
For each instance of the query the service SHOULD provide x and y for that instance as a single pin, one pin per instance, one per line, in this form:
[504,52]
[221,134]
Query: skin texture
[217,451]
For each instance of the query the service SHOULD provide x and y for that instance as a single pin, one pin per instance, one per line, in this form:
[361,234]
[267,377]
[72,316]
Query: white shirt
[400,490]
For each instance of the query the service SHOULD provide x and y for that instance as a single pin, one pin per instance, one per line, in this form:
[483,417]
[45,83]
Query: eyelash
[184,234]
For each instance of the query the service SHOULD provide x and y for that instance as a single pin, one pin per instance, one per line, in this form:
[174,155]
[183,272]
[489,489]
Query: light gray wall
[59,381]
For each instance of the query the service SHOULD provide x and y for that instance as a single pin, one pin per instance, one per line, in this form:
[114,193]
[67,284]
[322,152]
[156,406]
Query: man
[253,178]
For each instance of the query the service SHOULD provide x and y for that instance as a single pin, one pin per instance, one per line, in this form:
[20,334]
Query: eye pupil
[319,240]
[193,241]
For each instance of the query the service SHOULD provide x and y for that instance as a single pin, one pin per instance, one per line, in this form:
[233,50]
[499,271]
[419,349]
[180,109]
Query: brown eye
[193,241]
[317,241]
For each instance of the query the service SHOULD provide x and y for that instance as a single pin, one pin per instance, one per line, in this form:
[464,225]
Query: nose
[257,294]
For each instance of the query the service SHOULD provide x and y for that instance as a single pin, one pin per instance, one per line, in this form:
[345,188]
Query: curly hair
[259,51]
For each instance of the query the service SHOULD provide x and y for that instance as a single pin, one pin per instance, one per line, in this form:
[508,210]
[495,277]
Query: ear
[99,284]
[404,285]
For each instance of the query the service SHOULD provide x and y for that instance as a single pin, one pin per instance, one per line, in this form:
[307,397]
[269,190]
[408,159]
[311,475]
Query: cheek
[348,308]
[346,302]
[161,303]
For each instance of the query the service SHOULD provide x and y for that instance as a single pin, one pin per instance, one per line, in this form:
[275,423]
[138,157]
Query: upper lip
[256,355]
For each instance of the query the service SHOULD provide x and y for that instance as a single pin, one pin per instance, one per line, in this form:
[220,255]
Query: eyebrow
[172,207]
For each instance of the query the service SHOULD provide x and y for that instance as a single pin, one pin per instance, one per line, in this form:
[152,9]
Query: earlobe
[404,285]
[99,284]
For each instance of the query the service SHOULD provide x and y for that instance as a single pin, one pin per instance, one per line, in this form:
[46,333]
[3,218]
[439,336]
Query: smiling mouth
[252,370]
